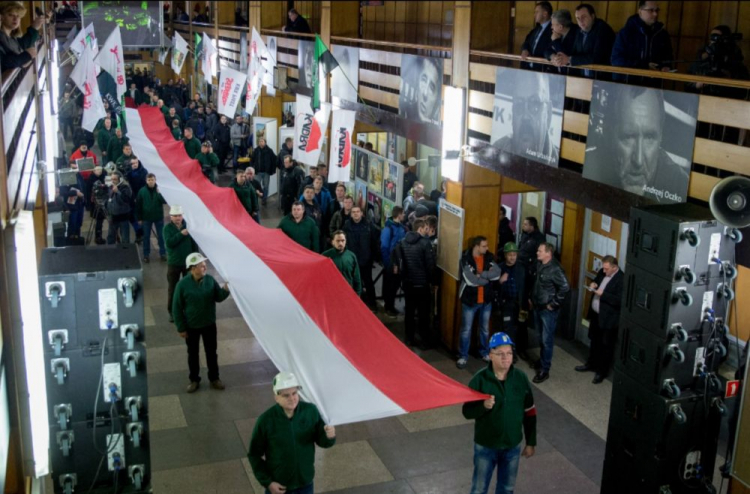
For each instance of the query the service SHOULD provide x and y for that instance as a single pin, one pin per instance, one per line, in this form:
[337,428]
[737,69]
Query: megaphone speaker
[730,201]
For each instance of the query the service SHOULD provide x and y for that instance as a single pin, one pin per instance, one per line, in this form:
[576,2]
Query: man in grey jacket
[547,296]
[238,134]
[118,208]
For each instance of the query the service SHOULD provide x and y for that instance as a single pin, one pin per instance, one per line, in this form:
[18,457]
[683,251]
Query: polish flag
[348,363]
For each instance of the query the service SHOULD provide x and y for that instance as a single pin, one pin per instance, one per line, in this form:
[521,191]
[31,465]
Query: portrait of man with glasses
[527,116]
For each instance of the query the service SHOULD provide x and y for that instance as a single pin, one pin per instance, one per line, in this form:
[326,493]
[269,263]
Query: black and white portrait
[305,57]
[527,114]
[641,140]
[421,89]
[348,59]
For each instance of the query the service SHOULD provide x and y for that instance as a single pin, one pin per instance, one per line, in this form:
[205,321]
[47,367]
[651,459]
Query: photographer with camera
[97,193]
[118,209]
[721,57]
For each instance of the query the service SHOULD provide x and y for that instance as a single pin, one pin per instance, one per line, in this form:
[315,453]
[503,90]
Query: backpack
[397,258]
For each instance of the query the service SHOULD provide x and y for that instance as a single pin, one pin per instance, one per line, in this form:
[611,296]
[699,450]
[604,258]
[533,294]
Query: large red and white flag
[309,130]
[255,72]
[84,75]
[111,59]
[348,363]
[342,129]
[231,83]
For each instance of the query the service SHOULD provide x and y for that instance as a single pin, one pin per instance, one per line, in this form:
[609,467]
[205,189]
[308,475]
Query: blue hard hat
[499,339]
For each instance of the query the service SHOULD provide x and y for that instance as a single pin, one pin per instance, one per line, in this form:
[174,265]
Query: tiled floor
[199,441]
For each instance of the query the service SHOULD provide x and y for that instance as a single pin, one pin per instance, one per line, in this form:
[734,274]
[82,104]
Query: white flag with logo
[85,37]
[111,60]
[269,63]
[255,71]
[84,75]
[340,163]
[309,130]
[179,53]
[210,58]
[231,84]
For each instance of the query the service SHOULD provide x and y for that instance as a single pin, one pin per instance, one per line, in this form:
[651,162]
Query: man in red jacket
[83,152]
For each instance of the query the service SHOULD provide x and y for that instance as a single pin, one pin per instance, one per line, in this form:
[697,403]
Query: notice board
[450,238]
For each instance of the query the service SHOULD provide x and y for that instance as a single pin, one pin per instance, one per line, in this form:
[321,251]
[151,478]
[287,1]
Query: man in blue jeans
[547,296]
[502,420]
[478,269]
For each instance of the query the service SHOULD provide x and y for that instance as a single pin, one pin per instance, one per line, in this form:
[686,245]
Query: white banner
[340,162]
[255,71]
[163,52]
[309,130]
[269,63]
[179,53]
[84,75]
[79,43]
[210,59]
[231,83]
[111,59]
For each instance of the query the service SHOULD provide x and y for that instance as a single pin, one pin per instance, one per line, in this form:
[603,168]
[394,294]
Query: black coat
[544,40]
[594,47]
[415,258]
[610,301]
[550,286]
[264,160]
[637,45]
[299,25]
[363,239]
[504,235]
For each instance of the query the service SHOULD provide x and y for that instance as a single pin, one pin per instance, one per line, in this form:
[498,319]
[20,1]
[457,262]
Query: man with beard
[633,160]
[421,90]
[531,120]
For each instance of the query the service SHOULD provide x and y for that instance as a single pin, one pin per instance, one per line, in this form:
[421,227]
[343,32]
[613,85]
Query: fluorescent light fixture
[453,132]
[33,350]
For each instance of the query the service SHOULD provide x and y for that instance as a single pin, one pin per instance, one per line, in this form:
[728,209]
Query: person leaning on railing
[16,50]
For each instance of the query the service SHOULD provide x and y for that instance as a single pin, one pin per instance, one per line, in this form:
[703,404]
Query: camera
[720,49]
[100,191]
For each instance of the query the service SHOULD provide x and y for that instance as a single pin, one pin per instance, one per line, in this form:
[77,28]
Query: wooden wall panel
[486,16]
[273,15]
[345,19]
[695,19]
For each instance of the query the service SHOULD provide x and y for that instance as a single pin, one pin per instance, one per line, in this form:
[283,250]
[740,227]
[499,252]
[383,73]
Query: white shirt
[605,282]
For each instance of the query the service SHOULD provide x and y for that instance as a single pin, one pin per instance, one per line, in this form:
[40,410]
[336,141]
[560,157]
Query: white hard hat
[284,380]
[194,259]
[175,210]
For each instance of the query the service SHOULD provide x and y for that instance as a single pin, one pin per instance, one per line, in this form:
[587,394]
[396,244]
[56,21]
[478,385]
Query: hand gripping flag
[231,83]
[84,76]
[350,365]
[324,57]
[111,60]
[309,131]
[340,162]
[179,53]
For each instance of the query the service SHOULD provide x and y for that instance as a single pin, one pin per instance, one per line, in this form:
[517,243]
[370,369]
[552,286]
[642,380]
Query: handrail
[410,46]
[9,77]
[670,76]
[276,32]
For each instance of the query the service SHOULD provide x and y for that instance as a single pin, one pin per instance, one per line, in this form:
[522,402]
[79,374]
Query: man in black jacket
[504,235]
[291,181]
[643,43]
[478,271]
[547,296]
[604,318]
[414,259]
[296,23]
[222,141]
[593,44]
[539,39]
[511,300]
[264,162]
[362,239]
[529,243]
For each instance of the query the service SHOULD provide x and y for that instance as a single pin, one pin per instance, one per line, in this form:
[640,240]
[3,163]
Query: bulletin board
[450,238]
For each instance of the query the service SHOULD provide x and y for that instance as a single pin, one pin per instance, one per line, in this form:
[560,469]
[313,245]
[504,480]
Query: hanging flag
[84,76]
[309,131]
[70,38]
[85,37]
[163,55]
[231,83]
[269,63]
[179,53]
[111,60]
[342,127]
[308,332]
[198,50]
[255,71]
[210,59]
[322,56]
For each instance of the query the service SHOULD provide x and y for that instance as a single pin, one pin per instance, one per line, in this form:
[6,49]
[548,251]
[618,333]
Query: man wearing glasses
[502,420]
[643,43]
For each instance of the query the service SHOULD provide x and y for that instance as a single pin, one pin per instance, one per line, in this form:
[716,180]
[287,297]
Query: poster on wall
[387,211]
[305,56]
[360,197]
[641,140]
[374,208]
[363,165]
[527,114]
[390,182]
[421,90]
[375,180]
[348,59]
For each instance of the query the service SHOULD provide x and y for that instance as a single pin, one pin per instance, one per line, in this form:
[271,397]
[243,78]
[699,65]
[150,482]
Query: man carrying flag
[322,55]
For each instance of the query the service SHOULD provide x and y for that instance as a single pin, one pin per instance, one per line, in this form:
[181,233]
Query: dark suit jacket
[610,301]
[542,45]
[598,46]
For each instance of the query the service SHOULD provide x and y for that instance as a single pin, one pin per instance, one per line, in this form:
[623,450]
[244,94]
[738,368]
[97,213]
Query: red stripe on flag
[318,287]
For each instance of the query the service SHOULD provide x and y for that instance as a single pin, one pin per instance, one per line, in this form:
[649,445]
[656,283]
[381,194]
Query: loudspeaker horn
[730,201]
